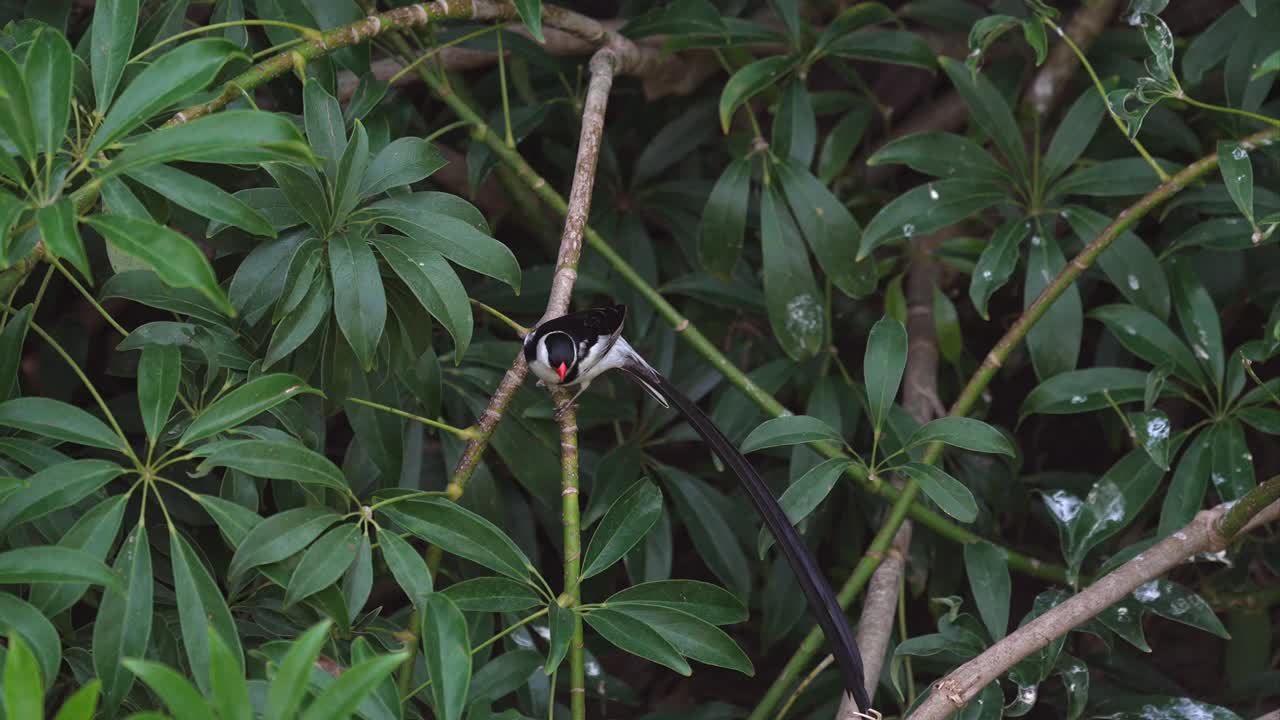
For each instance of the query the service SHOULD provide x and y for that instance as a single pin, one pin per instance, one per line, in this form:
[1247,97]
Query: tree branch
[1211,531]
[1051,80]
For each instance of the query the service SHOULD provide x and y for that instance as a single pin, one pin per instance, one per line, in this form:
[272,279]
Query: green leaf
[435,285]
[963,432]
[789,430]
[929,208]
[23,623]
[989,111]
[357,582]
[323,563]
[850,20]
[11,208]
[403,162]
[886,46]
[502,676]
[48,71]
[750,81]
[1074,133]
[492,594]
[301,322]
[53,564]
[229,692]
[844,137]
[1198,317]
[1113,178]
[289,684]
[1144,335]
[359,300]
[1231,463]
[17,120]
[1082,391]
[145,287]
[1269,64]
[58,230]
[949,493]
[1237,175]
[1128,263]
[704,512]
[942,155]
[407,567]
[1152,429]
[326,130]
[174,258]
[94,533]
[446,648]
[276,460]
[882,367]
[463,533]
[271,204]
[795,128]
[231,137]
[204,199]
[54,488]
[58,420]
[159,372]
[12,339]
[174,76]
[280,536]
[530,12]
[1262,419]
[1054,342]
[123,625]
[987,569]
[691,637]
[1175,602]
[341,698]
[703,600]
[114,23]
[804,495]
[82,704]
[625,524]
[724,219]
[305,194]
[996,263]
[1186,490]
[426,222]
[23,685]
[181,697]
[790,291]
[635,637]
[829,228]
[202,613]
[561,624]
[351,169]
[243,404]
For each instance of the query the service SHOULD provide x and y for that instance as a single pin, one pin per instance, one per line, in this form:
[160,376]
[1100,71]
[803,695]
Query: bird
[573,350]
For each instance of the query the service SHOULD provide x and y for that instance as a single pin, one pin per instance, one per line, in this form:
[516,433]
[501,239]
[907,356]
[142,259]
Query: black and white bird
[573,350]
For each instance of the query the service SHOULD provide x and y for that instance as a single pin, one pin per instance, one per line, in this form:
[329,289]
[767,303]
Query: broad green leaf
[1262,419]
[1269,65]
[703,600]
[58,231]
[1175,602]
[31,454]
[1054,342]
[229,693]
[12,339]
[123,625]
[202,613]
[300,323]
[625,524]
[48,71]
[724,219]
[829,228]
[996,263]
[351,169]
[243,404]
[175,691]
[1230,463]
[276,460]
[407,567]
[280,536]
[305,194]
[169,78]
[174,258]
[359,300]
[323,563]
[987,569]
[1083,390]
[691,637]
[231,137]
[882,367]
[82,704]
[1198,317]
[1152,429]
[357,581]
[289,683]
[463,533]
[1237,175]
[804,495]
[530,12]
[703,510]
[1113,178]
[795,128]
[885,46]
[114,24]
[204,199]
[435,285]
[446,648]
[326,129]
[1128,263]
[963,432]
[271,204]
[58,420]
[636,637]
[426,222]
[260,279]
[675,141]
[492,594]
[341,698]
[850,20]
[24,623]
[790,290]
[789,430]
[1144,335]
[929,208]
[11,208]
[950,494]
[17,120]
[145,287]
[405,161]
[748,82]
[159,372]
[561,623]
[1074,133]
[503,675]
[841,141]
[94,533]
[942,155]
[53,564]
[1186,490]
[23,685]
[54,488]
[989,111]
[384,696]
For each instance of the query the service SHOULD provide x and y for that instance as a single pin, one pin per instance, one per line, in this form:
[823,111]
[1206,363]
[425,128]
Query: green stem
[90,298]
[572,554]
[1246,507]
[306,32]
[464,433]
[502,88]
[405,679]
[436,50]
[410,496]
[1230,110]
[517,327]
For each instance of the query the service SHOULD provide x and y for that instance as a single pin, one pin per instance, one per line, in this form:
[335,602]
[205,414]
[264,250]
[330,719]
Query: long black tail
[822,601]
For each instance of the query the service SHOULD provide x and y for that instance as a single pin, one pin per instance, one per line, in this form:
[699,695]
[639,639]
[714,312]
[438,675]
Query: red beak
[561,371]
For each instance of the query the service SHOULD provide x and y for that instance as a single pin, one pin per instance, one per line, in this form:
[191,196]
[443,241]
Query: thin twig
[1085,26]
